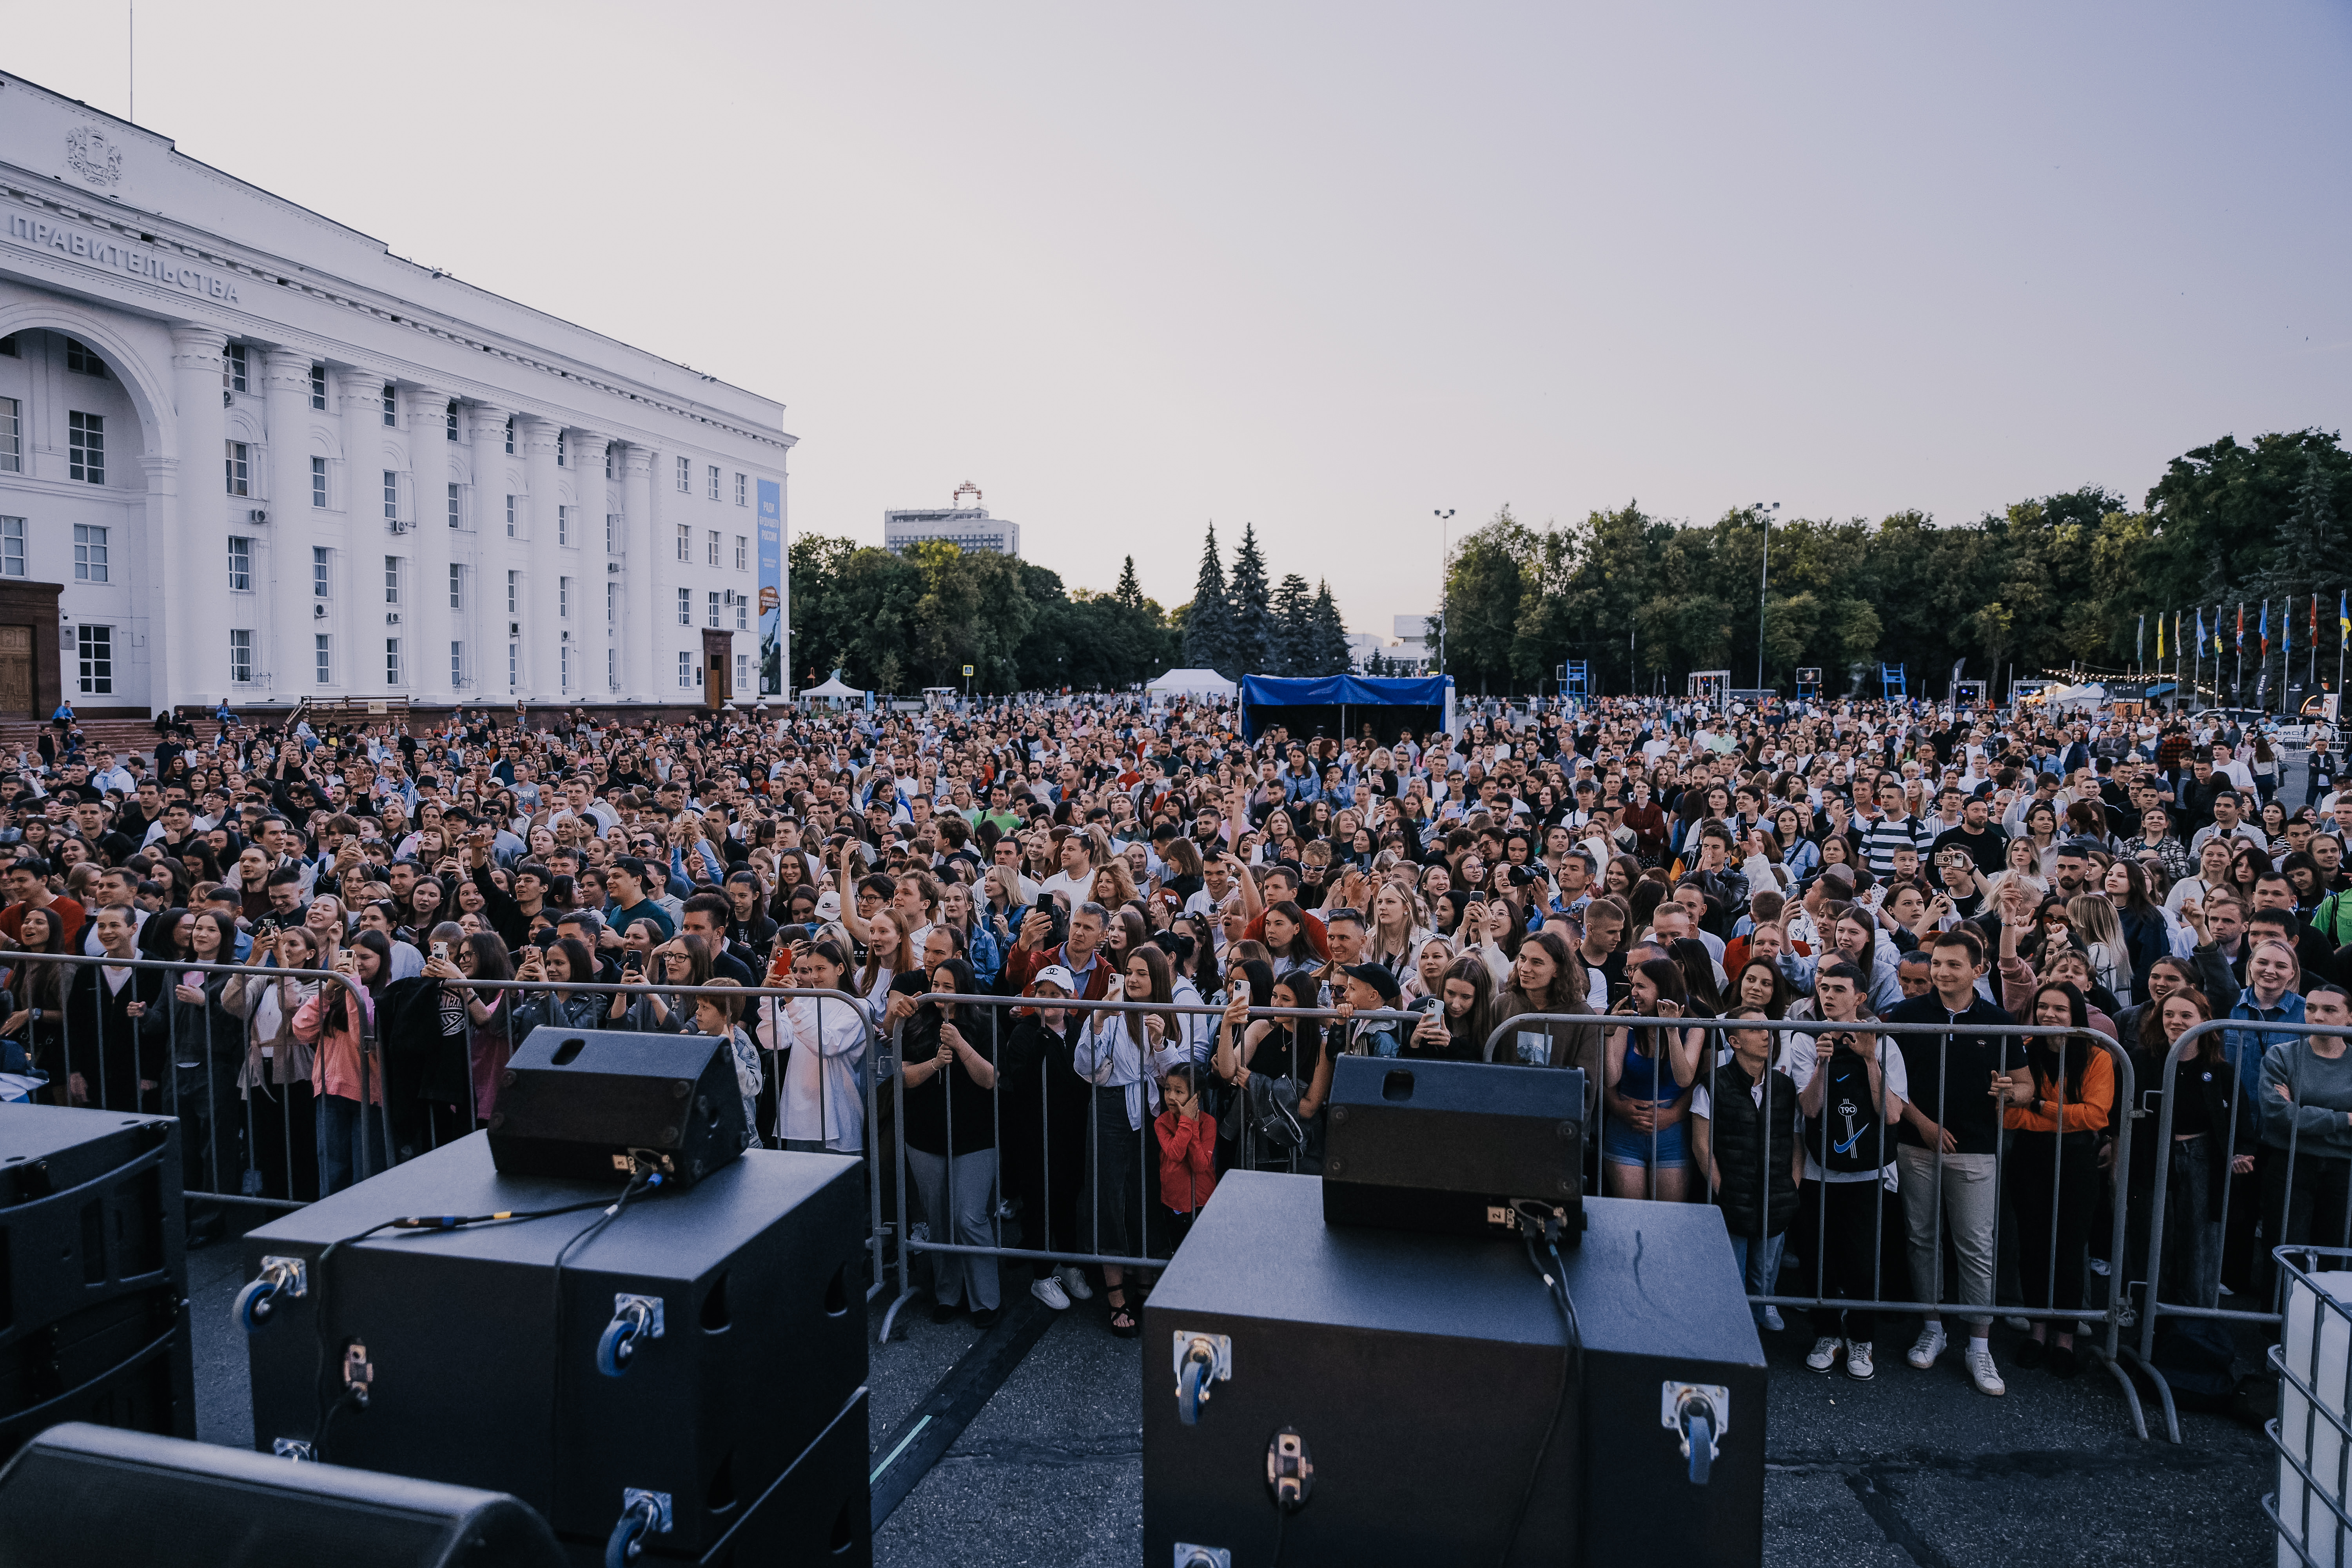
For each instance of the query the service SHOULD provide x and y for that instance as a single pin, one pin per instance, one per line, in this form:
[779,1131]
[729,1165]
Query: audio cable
[1539,1221]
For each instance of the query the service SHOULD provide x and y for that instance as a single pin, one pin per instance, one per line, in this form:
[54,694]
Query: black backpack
[1848,1135]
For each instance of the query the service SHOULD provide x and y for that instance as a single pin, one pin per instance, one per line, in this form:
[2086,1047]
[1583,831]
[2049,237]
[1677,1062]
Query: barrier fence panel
[1643,1143]
[176,1037]
[2282,1181]
[1081,1155]
[2313,1430]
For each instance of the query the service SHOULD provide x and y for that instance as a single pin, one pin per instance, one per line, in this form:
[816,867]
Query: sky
[1328,269]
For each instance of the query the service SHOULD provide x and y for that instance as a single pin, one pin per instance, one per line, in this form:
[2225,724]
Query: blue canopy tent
[1333,704]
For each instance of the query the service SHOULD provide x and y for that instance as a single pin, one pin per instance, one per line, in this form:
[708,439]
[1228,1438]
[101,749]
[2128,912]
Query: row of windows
[710,470]
[711,547]
[718,601]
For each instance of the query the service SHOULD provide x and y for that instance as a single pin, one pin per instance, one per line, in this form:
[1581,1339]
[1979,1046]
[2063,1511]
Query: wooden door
[718,684]
[16,673]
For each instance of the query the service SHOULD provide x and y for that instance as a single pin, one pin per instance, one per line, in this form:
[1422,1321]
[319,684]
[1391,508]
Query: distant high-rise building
[969,527]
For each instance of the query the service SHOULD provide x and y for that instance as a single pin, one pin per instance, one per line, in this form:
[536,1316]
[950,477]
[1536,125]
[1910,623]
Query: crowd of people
[1078,933]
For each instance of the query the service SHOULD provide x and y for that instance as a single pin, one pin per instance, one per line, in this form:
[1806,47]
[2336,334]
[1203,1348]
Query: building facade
[969,527]
[247,453]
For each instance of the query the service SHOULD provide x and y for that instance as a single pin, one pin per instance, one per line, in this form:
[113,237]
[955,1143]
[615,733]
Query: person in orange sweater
[1188,1150]
[2057,1102]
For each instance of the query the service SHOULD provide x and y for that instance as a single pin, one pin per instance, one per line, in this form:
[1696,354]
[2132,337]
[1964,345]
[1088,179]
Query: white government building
[247,453]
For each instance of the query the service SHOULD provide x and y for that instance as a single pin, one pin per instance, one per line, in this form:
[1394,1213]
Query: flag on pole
[2160,636]
[2177,643]
[2263,632]
[2242,625]
[2315,621]
[2200,631]
[2140,642]
[2343,618]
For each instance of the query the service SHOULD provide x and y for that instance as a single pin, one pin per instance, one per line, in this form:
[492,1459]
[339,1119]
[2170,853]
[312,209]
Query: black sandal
[1122,1321]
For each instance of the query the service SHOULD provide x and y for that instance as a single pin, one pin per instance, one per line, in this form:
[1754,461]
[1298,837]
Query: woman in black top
[947,1063]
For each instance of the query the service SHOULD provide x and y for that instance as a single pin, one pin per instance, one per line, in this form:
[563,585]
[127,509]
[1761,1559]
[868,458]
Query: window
[558,450]
[240,468]
[240,655]
[686,671]
[12,547]
[514,661]
[742,612]
[392,579]
[743,489]
[562,525]
[81,362]
[322,652]
[612,533]
[686,606]
[319,578]
[392,661]
[391,407]
[514,596]
[86,449]
[89,554]
[714,610]
[233,369]
[685,543]
[318,386]
[714,481]
[95,644]
[712,550]
[510,438]
[8,346]
[612,604]
[608,462]
[317,481]
[457,587]
[457,511]
[449,423]
[457,664]
[511,532]
[742,672]
[563,668]
[391,495]
[563,598]
[12,438]
[240,564]
[612,669]
[742,552]
[685,475]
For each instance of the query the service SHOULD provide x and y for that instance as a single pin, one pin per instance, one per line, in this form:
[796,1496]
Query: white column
[542,628]
[294,522]
[195,639]
[586,564]
[486,640]
[425,612]
[355,616]
[641,674]
[161,596]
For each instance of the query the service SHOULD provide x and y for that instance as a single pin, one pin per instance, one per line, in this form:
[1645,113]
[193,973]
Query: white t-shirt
[1891,1072]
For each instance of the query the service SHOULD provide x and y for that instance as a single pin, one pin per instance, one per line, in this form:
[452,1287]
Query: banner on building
[772,588]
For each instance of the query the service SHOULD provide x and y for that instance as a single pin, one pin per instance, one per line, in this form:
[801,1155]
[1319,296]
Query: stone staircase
[121,736]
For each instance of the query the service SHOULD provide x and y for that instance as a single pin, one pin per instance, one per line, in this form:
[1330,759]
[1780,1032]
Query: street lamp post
[1763,588]
[1444,580]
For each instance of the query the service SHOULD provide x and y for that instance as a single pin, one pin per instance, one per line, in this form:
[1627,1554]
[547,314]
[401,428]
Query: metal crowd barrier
[2254,1218]
[1096,1147]
[2111,1318]
[195,1090]
[2313,1430]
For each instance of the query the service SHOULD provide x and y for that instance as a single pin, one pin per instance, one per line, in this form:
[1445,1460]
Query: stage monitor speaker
[93,1273]
[704,1338]
[1448,1147]
[586,1104]
[1398,1387]
[98,1498]
[821,1510]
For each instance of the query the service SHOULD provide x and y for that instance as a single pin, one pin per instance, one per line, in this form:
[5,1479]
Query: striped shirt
[1880,840]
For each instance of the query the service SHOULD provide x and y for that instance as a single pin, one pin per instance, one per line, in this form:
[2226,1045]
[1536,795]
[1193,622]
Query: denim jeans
[340,1121]
[1758,1262]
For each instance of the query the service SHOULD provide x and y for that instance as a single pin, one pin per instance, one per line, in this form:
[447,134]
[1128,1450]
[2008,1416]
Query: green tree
[1128,591]
[1326,644]
[1293,635]
[1256,642]
[1209,620]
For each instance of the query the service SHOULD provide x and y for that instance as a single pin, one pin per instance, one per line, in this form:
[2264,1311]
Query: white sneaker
[1982,1372]
[1928,1347]
[1773,1319]
[1049,1290]
[1857,1361]
[1825,1353]
[1073,1282]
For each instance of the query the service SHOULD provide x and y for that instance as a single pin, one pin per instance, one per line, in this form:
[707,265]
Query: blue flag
[2200,631]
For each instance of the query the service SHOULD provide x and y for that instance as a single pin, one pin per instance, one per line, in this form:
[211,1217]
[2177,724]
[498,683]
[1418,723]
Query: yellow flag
[2159,639]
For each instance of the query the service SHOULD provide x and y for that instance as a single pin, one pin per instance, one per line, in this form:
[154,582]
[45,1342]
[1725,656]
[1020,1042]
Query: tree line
[2048,583]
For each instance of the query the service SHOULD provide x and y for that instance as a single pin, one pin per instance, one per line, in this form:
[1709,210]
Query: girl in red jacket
[1188,1150]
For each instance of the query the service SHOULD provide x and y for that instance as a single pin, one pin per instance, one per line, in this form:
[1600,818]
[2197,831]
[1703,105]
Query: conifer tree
[1255,640]
[1208,625]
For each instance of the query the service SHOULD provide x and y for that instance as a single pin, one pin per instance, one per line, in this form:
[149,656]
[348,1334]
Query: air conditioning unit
[228,398]
[391,617]
[396,525]
[319,611]
[257,517]
[514,629]
[613,567]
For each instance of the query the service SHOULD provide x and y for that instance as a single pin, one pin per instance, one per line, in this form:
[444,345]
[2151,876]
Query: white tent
[1190,683]
[835,689]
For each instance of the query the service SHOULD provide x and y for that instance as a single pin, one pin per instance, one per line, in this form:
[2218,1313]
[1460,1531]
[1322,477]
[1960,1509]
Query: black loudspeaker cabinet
[1419,1375]
[98,1498]
[819,1511]
[580,1103]
[93,1273]
[1448,1146]
[753,1272]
